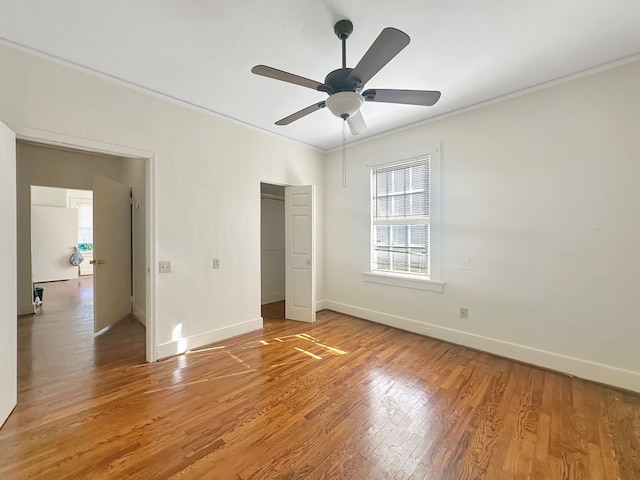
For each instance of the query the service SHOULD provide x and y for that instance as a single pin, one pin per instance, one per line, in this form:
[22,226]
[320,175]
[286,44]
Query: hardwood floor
[341,398]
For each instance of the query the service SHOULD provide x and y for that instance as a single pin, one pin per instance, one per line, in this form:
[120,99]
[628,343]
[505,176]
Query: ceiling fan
[344,85]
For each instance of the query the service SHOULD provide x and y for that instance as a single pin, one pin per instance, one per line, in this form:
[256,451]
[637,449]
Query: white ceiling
[201,51]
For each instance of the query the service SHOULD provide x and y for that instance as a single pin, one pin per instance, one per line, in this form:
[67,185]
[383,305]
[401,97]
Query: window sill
[404,281]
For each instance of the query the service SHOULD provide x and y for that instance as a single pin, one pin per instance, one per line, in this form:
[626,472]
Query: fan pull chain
[344,154]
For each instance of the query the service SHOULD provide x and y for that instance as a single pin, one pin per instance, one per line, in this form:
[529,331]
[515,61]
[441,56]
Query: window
[85,226]
[85,220]
[400,218]
[405,222]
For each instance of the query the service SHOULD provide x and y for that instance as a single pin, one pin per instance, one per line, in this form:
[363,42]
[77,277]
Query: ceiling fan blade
[409,97]
[388,44]
[285,76]
[302,113]
[356,124]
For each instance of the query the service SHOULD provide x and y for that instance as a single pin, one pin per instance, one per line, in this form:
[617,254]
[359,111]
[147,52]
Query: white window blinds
[400,217]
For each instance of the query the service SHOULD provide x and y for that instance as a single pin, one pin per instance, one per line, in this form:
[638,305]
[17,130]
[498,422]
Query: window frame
[432,281]
[77,202]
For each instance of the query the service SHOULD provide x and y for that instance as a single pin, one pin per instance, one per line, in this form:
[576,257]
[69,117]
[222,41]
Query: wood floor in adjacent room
[341,398]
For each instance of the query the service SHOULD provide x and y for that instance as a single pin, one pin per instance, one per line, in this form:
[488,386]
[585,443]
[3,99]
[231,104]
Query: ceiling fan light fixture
[344,85]
[344,104]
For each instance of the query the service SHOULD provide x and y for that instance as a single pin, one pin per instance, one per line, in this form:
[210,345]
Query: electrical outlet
[216,263]
[164,266]
[464,263]
[464,313]
[425,331]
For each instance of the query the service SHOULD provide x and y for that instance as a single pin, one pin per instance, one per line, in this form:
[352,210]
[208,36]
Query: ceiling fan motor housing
[339,81]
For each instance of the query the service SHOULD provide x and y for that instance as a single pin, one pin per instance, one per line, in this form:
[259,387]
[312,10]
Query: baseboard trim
[139,315]
[586,369]
[272,297]
[320,304]
[26,309]
[176,347]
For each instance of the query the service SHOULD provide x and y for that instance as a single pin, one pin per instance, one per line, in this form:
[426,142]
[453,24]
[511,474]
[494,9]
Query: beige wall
[133,174]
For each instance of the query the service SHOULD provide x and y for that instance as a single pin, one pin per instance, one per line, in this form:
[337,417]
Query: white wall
[54,233]
[541,193]
[71,195]
[49,196]
[272,246]
[207,184]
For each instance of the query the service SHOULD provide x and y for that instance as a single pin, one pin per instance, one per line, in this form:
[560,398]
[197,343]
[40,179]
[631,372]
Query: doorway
[272,251]
[61,222]
[55,215]
[272,246]
[287,250]
[49,164]
[61,229]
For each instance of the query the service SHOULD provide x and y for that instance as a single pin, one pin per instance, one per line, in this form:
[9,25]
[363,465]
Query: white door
[8,275]
[54,234]
[111,252]
[300,263]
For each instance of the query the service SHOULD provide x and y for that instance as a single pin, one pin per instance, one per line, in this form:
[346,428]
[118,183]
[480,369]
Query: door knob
[308,262]
[96,262]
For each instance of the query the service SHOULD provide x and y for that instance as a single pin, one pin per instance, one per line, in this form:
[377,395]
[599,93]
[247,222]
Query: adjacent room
[328,240]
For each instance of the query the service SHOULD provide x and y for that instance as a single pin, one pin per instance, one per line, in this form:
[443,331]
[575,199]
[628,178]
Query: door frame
[314,283]
[44,137]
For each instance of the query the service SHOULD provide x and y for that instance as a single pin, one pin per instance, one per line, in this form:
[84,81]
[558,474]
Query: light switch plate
[164,266]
